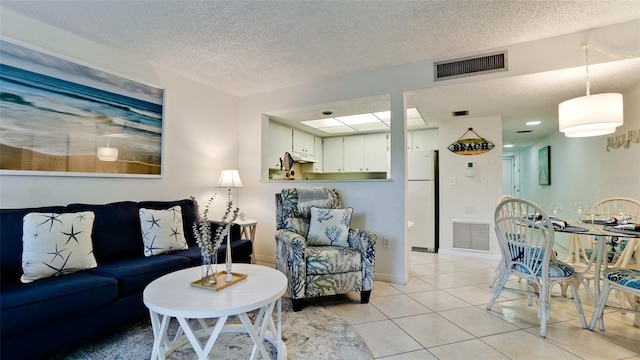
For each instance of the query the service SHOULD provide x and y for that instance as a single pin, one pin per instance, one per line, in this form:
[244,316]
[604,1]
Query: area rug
[313,333]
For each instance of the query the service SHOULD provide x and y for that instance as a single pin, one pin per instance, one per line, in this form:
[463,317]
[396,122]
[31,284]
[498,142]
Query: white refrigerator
[422,198]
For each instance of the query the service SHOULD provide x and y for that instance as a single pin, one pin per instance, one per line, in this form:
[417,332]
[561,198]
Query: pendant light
[590,115]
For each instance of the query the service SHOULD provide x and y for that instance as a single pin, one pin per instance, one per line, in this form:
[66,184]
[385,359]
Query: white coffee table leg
[203,353]
[159,324]
[254,333]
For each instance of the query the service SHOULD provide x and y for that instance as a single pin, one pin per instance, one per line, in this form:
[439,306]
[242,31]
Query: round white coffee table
[173,296]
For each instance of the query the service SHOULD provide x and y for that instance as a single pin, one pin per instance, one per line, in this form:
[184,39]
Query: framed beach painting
[58,117]
[544,166]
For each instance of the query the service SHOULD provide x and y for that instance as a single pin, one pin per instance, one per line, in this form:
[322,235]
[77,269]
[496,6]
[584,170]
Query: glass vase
[208,268]
[228,262]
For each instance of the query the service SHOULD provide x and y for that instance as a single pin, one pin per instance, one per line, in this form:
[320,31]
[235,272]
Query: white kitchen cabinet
[424,139]
[332,158]
[280,141]
[365,153]
[317,166]
[303,144]
[375,152]
[354,153]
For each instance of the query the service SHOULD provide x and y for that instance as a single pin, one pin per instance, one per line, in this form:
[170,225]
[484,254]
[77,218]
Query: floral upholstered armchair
[315,248]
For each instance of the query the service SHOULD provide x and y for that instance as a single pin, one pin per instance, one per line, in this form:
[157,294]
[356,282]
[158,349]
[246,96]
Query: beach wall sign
[471,146]
[56,113]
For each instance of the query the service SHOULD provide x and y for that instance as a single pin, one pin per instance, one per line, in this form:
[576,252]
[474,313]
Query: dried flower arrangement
[202,228]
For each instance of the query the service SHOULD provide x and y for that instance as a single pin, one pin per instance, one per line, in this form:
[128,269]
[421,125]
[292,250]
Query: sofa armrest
[290,260]
[365,241]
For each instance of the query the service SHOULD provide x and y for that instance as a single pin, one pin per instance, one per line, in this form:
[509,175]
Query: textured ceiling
[248,47]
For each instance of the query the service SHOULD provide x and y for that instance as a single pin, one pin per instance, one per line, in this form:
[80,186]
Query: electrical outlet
[386,242]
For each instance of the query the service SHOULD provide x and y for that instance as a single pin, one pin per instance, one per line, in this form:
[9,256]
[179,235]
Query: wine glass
[591,211]
[580,209]
[619,210]
[556,208]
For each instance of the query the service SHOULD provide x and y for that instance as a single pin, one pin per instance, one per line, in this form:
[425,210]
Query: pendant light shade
[107,153]
[591,115]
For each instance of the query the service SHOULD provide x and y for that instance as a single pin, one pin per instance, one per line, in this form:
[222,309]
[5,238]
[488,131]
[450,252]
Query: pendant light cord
[586,47]
[586,51]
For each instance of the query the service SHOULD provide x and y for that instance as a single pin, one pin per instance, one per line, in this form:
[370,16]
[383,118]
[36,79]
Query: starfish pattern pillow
[162,230]
[55,244]
[329,227]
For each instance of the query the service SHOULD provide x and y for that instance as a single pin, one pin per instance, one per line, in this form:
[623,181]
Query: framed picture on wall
[544,166]
[60,117]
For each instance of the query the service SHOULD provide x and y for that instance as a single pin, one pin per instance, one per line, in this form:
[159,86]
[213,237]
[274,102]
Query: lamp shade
[107,153]
[591,115]
[230,179]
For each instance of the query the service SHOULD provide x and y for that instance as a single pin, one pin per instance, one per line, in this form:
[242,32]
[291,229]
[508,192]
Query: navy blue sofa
[40,318]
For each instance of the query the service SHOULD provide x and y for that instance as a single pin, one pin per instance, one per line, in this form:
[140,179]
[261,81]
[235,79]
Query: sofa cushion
[135,274]
[332,260]
[25,306]
[55,244]
[116,230]
[162,230]
[329,227]
[11,235]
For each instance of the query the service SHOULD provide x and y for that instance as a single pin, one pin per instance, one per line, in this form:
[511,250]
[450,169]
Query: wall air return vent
[470,235]
[476,65]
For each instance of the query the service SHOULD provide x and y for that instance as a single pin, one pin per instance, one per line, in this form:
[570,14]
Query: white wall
[582,169]
[200,131]
[471,199]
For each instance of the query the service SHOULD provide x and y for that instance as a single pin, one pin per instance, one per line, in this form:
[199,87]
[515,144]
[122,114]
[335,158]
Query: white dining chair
[623,254]
[627,281]
[526,236]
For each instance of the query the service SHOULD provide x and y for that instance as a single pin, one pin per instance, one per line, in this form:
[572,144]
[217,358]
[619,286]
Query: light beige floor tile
[439,300]
[413,355]
[523,316]
[447,285]
[465,350]
[523,345]
[479,322]
[385,338]
[584,343]
[383,289]
[446,281]
[414,285]
[432,329]
[423,269]
[620,333]
[399,305]
[356,313]
[475,295]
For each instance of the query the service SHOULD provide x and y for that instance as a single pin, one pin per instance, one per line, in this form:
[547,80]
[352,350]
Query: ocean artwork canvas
[56,115]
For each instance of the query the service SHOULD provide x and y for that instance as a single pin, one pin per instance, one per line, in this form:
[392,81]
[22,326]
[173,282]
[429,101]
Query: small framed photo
[544,166]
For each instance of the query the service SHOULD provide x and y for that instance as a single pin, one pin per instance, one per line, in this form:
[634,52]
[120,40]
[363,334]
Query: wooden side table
[248,231]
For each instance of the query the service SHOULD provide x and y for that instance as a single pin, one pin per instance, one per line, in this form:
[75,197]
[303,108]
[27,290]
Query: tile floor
[440,314]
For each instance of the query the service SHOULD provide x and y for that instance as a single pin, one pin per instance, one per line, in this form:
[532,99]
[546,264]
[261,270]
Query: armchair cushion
[329,227]
[332,260]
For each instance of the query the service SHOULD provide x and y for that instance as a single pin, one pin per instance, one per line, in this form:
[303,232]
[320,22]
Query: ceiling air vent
[483,64]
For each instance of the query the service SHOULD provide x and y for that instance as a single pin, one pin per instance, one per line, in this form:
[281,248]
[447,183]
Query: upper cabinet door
[332,159]
[376,152]
[280,141]
[354,153]
[303,143]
